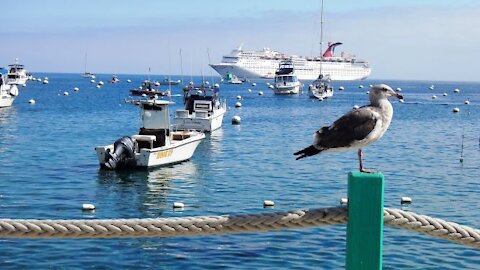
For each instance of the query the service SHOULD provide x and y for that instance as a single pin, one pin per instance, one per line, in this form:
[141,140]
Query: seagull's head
[382,91]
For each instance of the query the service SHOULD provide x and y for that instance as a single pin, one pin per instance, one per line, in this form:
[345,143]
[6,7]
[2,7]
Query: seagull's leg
[360,160]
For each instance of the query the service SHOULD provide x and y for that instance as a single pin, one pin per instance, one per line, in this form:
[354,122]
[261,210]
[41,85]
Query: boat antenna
[211,73]
[181,65]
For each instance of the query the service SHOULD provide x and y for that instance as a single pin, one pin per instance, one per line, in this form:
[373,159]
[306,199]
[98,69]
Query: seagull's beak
[395,94]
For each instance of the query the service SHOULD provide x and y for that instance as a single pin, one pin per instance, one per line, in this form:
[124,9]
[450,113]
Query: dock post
[365,221]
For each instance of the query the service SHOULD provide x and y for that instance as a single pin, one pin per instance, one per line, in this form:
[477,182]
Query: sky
[405,40]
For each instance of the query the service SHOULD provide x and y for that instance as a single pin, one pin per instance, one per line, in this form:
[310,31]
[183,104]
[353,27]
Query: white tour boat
[155,145]
[8,92]
[17,74]
[203,110]
[286,82]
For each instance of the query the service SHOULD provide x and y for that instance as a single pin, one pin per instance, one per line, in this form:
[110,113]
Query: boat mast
[321,40]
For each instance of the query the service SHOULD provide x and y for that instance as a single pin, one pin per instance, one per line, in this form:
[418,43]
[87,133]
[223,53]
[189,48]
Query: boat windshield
[286,79]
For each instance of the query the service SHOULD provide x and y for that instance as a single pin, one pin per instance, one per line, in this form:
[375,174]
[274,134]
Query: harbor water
[49,169]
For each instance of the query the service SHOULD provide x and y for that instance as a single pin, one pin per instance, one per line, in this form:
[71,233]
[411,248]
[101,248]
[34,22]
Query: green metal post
[365,221]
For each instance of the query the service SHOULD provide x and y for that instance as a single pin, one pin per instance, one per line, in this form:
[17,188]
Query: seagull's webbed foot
[363,170]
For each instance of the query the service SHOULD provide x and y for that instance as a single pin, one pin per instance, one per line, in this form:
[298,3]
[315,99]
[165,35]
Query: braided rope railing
[206,225]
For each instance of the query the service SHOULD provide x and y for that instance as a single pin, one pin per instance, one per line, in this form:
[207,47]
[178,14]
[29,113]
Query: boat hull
[201,121]
[179,149]
[304,69]
[288,89]
[6,100]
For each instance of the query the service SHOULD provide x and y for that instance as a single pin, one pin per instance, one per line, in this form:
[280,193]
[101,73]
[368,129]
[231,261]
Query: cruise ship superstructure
[262,64]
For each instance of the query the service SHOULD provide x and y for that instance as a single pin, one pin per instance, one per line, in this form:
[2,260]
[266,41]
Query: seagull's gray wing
[351,127]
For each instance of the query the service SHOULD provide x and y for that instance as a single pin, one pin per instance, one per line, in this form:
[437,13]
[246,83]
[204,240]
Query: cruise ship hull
[305,70]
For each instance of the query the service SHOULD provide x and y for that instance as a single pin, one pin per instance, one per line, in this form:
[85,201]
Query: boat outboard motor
[123,154]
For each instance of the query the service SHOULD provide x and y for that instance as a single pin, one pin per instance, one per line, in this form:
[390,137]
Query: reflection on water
[6,114]
[215,138]
[8,131]
[147,190]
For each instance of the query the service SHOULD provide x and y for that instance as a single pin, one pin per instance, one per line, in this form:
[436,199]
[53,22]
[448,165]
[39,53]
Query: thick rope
[206,225]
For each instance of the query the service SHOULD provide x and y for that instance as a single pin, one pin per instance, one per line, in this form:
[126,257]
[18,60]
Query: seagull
[357,128]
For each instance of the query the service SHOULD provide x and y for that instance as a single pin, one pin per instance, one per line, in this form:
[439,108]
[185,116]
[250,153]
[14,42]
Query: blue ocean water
[49,169]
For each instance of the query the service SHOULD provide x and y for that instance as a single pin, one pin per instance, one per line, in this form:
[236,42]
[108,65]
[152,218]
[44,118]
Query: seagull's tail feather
[306,152]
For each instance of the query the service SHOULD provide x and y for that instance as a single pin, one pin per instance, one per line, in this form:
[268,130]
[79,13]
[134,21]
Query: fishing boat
[148,88]
[17,74]
[8,92]
[321,87]
[231,79]
[286,82]
[203,110]
[156,144]
[169,82]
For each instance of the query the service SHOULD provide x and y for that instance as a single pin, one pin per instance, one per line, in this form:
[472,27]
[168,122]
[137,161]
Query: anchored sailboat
[321,88]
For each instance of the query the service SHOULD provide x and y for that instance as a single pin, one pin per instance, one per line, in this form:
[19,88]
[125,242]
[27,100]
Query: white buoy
[249,90]
[467,102]
[343,201]
[239,97]
[360,86]
[24,85]
[45,81]
[268,84]
[399,89]
[178,205]
[216,85]
[88,207]
[236,120]
[455,110]
[355,107]
[445,94]
[46,78]
[98,86]
[341,88]
[92,81]
[144,95]
[129,81]
[65,93]
[370,85]
[76,89]
[238,105]
[368,92]
[434,97]
[431,87]
[31,101]
[268,203]
[260,93]
[157,84]
[271,86]
[100,82]
[254,84]
[405,200]
[39,80]
[401,100]
[93,76]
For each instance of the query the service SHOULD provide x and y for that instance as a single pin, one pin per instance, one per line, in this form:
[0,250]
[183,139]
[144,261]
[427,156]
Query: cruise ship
[263,63]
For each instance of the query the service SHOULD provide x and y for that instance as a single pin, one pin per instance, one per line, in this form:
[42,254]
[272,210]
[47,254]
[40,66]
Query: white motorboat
[17,74]
[321,88]
[286,82]
[155,145]
[8,92]
[203,110]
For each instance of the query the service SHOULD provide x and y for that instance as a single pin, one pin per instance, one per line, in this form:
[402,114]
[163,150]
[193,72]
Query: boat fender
[13,91]
[123,153]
